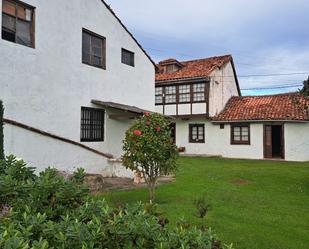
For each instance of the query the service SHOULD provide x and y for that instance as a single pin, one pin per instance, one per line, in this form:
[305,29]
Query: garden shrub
[1,132]
[56,213]
[148,148]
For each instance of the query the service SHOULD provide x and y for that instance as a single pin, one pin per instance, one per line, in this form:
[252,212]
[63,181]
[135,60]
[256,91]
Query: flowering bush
[47,211]
[148,148]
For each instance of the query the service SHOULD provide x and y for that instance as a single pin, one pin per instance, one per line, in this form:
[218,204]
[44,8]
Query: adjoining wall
[297,141]
[222,87]
[218,141]
[45,87]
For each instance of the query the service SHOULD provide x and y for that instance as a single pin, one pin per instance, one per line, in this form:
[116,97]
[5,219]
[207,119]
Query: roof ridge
[207,58]
[267,95]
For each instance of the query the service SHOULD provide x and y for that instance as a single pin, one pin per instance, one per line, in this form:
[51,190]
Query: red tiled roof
[290,106]
[193,68]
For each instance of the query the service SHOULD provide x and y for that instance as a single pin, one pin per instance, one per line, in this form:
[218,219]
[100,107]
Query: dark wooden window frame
[241,142]
[193,92]
[178,94]
[123,50]
[161,95]
[191,140]
[170,94]
[32,22]
[88,134]
[103,49]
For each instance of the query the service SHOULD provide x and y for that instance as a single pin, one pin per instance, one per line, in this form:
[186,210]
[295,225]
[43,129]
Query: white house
[212,119]
[72,79]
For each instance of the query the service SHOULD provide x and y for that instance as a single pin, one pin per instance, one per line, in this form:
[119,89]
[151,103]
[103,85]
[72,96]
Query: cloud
[264,36]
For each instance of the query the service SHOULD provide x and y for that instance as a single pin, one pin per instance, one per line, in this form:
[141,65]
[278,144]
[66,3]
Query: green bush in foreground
[1,131]
[47,211]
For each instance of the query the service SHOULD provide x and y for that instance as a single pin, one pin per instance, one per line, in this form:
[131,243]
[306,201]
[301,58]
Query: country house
[213,119]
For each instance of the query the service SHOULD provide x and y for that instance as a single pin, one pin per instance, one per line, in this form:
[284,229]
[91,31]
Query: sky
[265,37]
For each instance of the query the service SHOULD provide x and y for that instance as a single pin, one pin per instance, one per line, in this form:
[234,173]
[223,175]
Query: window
[170,94]
[159,95]
[93,49]
[184,93]
[17,22]
[92,124]
[240,134]
[199,92]
[196,133]
[127,57]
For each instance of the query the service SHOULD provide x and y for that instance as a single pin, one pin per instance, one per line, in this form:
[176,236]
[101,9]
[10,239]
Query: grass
[270,212]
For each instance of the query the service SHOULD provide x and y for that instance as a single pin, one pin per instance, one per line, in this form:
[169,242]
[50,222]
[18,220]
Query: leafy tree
[305,90]
[148,148]
[1,132]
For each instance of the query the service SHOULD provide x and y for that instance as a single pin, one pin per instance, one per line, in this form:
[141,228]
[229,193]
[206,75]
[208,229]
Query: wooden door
[268,141]
[173,132]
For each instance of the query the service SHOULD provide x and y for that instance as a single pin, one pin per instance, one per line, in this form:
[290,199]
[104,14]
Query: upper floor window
[93,47]
[199,92]
[92,125]
[184,93]
[170,94]
[127,57]
[159,95]
[189,93]
[196,133]
[18,22]
[240,134]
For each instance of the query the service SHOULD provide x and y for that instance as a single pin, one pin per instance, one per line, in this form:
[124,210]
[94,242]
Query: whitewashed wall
[45,87]
[222,87]
[217,141]
[297,141]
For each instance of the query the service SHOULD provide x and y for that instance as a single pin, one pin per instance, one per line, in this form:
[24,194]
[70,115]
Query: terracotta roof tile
[193,68]
[290,106]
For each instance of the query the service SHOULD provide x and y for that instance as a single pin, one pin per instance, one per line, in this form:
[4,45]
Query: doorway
[274,141]
[173,132]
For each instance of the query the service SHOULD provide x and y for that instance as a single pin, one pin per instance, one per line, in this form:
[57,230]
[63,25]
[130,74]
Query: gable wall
[45,87]
[222,87]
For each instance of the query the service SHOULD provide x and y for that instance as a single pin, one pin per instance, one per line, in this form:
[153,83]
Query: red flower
[158,129]
[137,132]
[148,122]
[147,114]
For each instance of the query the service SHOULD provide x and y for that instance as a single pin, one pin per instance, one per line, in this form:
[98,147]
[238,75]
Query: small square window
[240,134]
[196,133]
[127,57]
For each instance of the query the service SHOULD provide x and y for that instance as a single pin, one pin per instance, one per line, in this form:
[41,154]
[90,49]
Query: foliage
[305,90]
[148,148]
[1,132]
[58,213]
[202,206]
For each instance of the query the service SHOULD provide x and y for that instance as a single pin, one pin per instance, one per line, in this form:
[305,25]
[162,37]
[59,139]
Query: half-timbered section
[193,92]
[72,80]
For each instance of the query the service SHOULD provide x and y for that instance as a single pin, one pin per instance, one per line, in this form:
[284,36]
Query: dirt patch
[240,182]
[117,183]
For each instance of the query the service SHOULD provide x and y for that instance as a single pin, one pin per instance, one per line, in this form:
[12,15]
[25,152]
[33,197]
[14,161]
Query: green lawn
[271,212]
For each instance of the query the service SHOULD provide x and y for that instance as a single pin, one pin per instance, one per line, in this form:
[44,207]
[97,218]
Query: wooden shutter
[267,141]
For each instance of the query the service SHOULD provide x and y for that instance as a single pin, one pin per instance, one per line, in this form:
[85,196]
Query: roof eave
[259,121]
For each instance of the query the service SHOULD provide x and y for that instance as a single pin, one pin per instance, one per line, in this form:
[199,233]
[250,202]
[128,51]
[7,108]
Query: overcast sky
[264,36]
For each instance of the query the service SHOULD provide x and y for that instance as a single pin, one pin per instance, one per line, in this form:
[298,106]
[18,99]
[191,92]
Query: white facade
[46,87]
[218,141]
